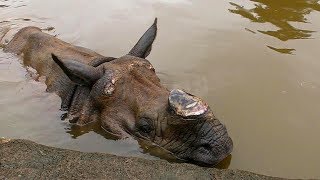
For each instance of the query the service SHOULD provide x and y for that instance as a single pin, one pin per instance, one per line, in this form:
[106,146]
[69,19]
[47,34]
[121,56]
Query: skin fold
[125,95]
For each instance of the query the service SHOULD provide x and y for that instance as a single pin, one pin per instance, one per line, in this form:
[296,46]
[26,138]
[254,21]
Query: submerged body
[125,95]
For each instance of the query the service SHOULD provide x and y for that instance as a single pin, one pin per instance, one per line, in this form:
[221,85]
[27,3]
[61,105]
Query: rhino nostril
[207,146]
[204,145]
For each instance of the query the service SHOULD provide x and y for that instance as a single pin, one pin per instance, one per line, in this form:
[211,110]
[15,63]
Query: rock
[3,140]
[23,159]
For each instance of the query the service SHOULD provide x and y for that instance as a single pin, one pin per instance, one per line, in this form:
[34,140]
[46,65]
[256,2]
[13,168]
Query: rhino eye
[144,126]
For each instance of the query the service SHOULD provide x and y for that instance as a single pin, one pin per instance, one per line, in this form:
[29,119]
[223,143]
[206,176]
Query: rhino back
[36,47]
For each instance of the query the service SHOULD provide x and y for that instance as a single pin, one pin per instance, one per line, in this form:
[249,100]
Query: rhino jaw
[186,105]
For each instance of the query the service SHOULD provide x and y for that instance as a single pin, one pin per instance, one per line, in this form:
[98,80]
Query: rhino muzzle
[211,142]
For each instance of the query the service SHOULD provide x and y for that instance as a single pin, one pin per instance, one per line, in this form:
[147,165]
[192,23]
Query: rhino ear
[143,47]
[77,72]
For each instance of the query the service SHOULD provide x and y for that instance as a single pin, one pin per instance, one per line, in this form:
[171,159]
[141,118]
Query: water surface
[255,62]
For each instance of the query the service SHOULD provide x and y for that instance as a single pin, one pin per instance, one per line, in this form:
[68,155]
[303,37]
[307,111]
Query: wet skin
[125,95]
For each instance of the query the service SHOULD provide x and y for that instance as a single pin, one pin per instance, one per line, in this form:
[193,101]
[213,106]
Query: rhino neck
[81,110]
[77,100]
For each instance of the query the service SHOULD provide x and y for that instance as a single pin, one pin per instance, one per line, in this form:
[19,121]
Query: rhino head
[126,96]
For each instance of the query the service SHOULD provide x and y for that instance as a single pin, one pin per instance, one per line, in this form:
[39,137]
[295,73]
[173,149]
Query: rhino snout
[212,145]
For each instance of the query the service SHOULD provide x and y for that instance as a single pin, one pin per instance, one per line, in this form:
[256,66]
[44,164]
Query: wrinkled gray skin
[125,95]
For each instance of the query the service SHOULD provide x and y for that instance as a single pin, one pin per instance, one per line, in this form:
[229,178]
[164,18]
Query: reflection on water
[224,164]
[282,50]
[280,13]
[77,131]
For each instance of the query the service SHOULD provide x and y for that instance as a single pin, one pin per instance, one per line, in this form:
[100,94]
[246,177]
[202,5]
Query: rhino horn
[186,105]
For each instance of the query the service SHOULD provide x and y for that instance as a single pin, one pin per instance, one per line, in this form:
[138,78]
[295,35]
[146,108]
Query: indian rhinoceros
[125,95]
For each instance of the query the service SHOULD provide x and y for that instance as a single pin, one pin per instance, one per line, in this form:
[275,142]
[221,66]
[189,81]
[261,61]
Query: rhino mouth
[211,145]
[206,155]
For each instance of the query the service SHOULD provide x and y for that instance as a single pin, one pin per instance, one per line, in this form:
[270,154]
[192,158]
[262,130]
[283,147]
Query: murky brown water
[255,62]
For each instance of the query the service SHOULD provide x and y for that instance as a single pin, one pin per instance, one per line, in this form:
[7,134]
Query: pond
[253,61]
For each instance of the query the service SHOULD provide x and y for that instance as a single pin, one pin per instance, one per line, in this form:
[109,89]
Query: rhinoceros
[125,95]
